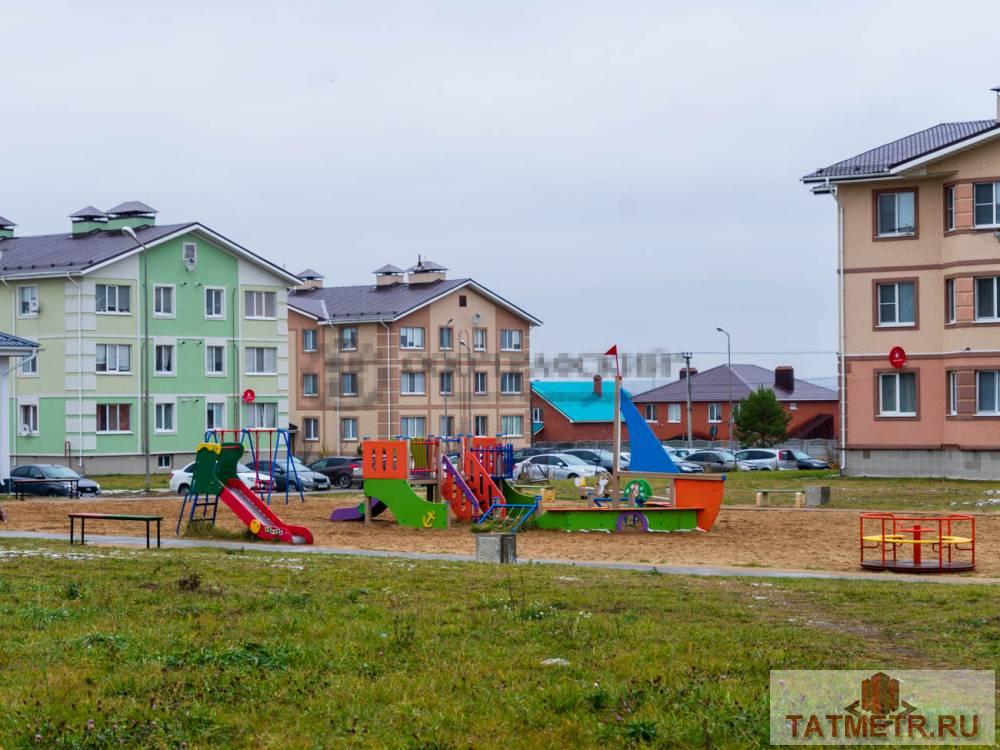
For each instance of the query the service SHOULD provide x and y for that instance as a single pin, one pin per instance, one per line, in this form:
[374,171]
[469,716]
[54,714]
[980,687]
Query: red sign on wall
[897,357]
[249,396]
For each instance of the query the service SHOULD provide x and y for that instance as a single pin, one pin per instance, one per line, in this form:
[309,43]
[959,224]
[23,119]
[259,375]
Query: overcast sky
[628,171]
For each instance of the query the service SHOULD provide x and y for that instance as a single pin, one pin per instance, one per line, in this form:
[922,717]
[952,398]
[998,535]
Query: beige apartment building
[919,269]
[412,354]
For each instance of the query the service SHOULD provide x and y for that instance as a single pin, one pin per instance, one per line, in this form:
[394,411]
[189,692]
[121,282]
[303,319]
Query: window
[114,358]
[215,360]
[949,301]
[28,424]
[29,365]
[512,425]
[446,338]
[510,382]
[215,302]
[349,428]
[479,385]
[463,301]
[481,425]
[348,339]
[164,359]
[985,204]
[537,414]
[715,412]
[311,428]
[987,299]
[165,418]
[479,339]
[262,415]
[189,254]
[411,338]
[792,406]
[949,209]
[952,393]
[446,425]
[261,360]
[164,461]
[260,305]
[310,384]
[348,384]
[897,394]
[411,383]
[510,340]
[115,300]
[114,417]
[674,413]
[215,415]
[27,301]
[447,383]
[896,217]
[163,301]
[649,412]
[897,304]
[987,398]
[309,340]
[413,427]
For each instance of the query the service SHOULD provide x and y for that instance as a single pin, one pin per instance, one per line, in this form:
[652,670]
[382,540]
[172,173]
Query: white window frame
[209,407]
[193,247]
[896,412]
[209,372]
[716,408]
[450,391]
[31,421]
[107,296]
[408,338]
[480,340]
[343,346]
[164,461]
[405,422]
[993,205]
[476,391]
[349,377]
[996,299]
[221,315]
[117,406]
[505,383]
[996,393]
[258,306]
[674,413]
[949,300]
[353,436]
[262,372]
[518,418]
[261,408]
[310,436]
[537,414]
[515,342]
[315,380]
[895,303]
[310,333]
[952,383]
[949,208]
[160,409]
[117,349]
[485,431]
[29,366]
[649,412]
[21,313]
[157,371]
[451,338]
[157,298]
[410,381]
[878,214]
[446,425]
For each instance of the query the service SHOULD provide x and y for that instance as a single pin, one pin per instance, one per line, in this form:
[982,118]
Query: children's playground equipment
[253,439]
[937,544]
[215,478]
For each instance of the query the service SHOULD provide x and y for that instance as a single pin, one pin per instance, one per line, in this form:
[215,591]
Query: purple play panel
[357,513]
[460,482]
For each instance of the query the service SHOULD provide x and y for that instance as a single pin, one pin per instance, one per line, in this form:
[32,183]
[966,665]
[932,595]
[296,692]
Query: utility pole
[687,377]
[729,365]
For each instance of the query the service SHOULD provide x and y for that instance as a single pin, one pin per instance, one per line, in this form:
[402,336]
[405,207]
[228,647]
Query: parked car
[805,461]
[52,489]
[556,466]
[303,478]
[180,479]
[342,471]
[716,460]
[768,459]
[599,457]
[685,466]
[522,453]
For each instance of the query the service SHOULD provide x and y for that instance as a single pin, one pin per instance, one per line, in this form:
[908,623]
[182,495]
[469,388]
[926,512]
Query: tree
[761,419]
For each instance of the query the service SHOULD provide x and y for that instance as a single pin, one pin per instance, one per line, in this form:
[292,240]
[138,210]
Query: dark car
[805,461]
[55,488]
[342,471]
[598,457]
[276,470]
[522,453]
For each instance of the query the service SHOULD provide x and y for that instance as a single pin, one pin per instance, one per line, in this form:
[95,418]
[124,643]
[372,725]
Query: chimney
[996,90]
[133,214]
[388,275]
[88,219]
[598,389]
[425,272]
[6,228]
[310,280]
[784,378]
[686,371]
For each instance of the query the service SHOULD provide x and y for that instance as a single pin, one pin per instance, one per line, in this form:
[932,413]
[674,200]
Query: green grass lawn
[130,481]
[205,648]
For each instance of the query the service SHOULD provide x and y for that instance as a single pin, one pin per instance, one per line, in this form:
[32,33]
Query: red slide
[259,518]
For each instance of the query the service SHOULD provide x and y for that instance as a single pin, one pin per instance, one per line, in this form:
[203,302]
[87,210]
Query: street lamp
[463,342]
[452,384]
[729,367]
[145,349]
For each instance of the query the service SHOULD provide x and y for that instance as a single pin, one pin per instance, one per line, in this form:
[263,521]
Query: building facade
[919,261]
[413,354]
[217,326]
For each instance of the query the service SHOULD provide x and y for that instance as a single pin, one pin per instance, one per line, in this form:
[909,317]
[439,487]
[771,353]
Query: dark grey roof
[132,207]
[8,341]
[309,274]
[879,160]
[389,268]
[713,385]
[88,212]
[426,265]
[58,253]
[371,302]
[6,222]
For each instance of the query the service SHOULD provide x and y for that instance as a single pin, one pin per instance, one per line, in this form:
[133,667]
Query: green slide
[408,508]
[515,497]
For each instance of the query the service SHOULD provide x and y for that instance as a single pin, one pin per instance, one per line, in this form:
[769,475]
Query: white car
[768,459]
[180,479]
[556,466]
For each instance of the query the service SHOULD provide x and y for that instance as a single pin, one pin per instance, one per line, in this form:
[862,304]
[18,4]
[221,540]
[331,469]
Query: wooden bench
[763,497]
[111,517]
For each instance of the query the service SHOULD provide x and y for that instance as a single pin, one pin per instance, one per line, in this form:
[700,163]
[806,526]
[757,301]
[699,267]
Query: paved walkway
[168,543]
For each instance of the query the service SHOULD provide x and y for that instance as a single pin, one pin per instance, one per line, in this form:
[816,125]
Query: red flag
[612,352]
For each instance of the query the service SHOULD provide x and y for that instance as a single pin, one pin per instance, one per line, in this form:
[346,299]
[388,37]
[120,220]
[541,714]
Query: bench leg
[83,526]
[800,499]
[157,535]
[147,534]
[761,499]
[71,529]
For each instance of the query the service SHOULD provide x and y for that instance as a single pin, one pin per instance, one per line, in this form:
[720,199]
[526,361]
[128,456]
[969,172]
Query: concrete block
[817,495]
[496,548]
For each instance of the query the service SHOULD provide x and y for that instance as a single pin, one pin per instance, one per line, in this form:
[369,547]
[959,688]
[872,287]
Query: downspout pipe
[842,327]
[388,380]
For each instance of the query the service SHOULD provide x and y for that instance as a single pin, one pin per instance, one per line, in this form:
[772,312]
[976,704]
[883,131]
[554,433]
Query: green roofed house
[217,326]
[564,411]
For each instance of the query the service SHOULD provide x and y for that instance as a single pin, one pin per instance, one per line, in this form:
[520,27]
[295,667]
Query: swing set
[252,439]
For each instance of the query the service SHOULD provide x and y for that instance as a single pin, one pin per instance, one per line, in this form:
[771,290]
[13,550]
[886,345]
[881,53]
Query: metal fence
[825,450]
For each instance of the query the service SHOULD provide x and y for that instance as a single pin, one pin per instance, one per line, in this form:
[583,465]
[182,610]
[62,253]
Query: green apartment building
[217,326]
